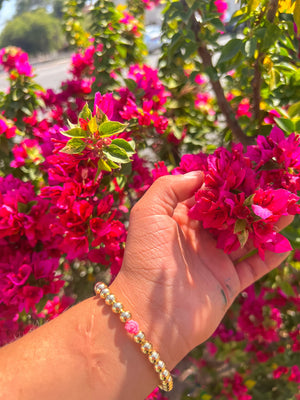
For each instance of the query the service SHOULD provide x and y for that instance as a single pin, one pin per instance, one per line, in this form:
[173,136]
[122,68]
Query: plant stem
[223,104]
[256,87]
[272,10]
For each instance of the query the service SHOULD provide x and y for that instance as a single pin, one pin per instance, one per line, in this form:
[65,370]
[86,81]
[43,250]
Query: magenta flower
[295,374]
[221,6]
[242,199]
[75,246]
[28,150]
[31,296]
[13,58]
[8,129]
[56,306]
[109,105]
[21,275]
[279,371]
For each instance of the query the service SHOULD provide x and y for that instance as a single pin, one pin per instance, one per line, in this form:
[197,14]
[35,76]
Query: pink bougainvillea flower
[15,59]
[151,3]
[7,128]
[107,104]
[240,198]
[295,374]
[56,306]
[270,118]
[221,6]
[244,109]
[28,150]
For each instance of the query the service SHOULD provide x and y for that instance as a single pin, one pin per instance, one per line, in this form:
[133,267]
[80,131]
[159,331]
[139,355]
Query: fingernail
[193,174]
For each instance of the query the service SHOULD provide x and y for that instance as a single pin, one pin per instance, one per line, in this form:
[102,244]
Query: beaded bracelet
[132,327]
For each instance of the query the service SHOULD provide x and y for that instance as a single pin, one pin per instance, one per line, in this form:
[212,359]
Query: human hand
[175,281]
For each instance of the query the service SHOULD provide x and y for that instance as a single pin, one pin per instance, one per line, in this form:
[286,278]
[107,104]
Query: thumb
[169,190]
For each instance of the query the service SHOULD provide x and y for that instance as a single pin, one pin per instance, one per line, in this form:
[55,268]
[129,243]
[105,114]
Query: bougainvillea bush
[224,99]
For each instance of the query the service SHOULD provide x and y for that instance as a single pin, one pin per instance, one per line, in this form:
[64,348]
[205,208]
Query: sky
[6,12]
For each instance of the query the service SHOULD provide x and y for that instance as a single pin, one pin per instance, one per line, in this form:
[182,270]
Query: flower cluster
[82,63]
[15,59]
[7,128]
[151,3]
[130,23]
[221,6]
[29,244]
[245,194]
[145,102]
[27,152]
[63,221]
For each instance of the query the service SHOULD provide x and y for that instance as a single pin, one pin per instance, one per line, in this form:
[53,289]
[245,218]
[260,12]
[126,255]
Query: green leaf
[85,113]
[103,166]
[72,126]
[297,126]
[92,125]
[217,23]
[131,84]
[294,110]
[190,48]
[24,208]
[100,116]
[240,225]
[124,145]
[121,51]
[75,133]
[116,154]
[231,49]
[287,288]
[112,164]
[74,146]
[296,15]
[271,35]
[25,110]
[190,3]
[126,169]
[253,5]
[249,201]
[285,124]
[15,96]
[110,128]
[250,47]
[243,237]
[295,265]
[176,43]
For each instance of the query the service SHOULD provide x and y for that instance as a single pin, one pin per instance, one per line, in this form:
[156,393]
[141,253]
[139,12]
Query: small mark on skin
[224,297]
[229,290]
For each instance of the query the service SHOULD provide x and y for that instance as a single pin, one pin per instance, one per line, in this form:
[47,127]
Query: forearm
[83,354]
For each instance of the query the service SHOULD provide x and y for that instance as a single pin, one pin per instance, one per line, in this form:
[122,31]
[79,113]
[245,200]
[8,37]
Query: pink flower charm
[132,327]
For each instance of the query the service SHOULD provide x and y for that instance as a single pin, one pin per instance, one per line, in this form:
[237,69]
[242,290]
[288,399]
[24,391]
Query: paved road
[50,74]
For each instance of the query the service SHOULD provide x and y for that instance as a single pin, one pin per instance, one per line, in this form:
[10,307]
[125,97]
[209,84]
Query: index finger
[167,191]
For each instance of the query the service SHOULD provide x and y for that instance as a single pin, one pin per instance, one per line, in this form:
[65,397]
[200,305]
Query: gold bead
[159,366]
[146,347]
[117,307]
[153,357]
[139,337]
[164,375]
[110,299]
[99,286]
[125,316]
[104,292]
[167,385]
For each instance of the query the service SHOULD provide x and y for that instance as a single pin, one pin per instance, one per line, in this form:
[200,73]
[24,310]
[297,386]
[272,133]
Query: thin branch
[256,87]
[223,104]
[272,10]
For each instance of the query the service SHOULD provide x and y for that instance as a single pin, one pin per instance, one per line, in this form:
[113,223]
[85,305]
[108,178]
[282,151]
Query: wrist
[150,309]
